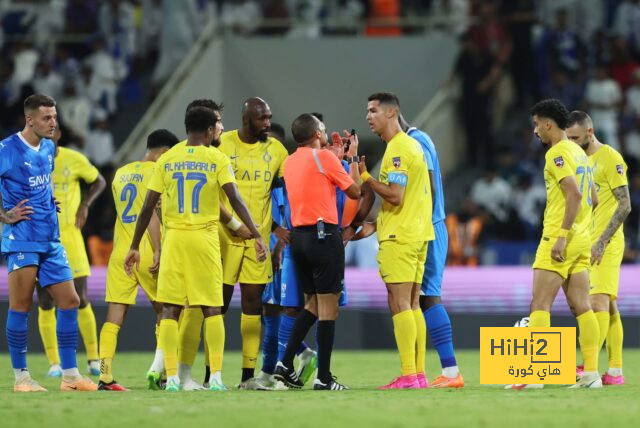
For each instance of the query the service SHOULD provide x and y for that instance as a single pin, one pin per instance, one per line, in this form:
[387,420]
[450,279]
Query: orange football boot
[448,382]
[77,384]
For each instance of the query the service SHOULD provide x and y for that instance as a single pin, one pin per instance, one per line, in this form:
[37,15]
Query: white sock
[21,373]
[158,362]
[590,375]
[184,372]
[217,376]
[615,371]
[71,372]
[450,372]
[307,353]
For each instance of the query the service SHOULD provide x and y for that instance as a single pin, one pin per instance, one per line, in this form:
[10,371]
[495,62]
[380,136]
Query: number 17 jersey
[129,188]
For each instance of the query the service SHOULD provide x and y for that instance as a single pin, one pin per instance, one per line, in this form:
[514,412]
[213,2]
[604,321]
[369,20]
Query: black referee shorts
[319,263]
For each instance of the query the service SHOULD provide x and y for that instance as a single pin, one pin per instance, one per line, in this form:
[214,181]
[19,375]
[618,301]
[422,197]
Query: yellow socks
[404,328]
[614,342]
[87,327]
[169,340]
[589,337]
[190,327]
[540,319]
[421,340]
[108,342]
[47,325]
[603,324]
[250,328]
[214,333]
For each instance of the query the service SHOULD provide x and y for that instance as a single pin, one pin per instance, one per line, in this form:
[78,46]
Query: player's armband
[397,178]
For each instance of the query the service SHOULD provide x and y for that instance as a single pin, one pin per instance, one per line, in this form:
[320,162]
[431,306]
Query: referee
[311,175]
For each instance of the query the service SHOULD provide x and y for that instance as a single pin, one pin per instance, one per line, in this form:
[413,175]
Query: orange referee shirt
[311,177]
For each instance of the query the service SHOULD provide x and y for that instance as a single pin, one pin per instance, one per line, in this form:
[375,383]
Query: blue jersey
[431,155]
[25,173]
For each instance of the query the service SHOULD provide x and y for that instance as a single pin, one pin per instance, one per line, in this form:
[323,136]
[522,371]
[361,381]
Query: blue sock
[439,327]
[17,338]
[270,343]
[67,333]
[286,326]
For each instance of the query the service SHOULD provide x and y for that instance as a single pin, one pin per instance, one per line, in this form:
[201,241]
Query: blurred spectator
[115,23]
[493,194]
[383,18]
[151,27]
[564,48]
[306,19]
[241,17]
[99,143]
[450,15]
[632,224]
[464,229]
[602,99]
[478,75]
[627,23]
[529,202]
[47,81]
[74,110]
[586,16]
[25,59]
[81,18]
[563,89]
[107,72]
[345,16]
[622,64]
[520,17]
[49,19]
[275,9]
[632,137]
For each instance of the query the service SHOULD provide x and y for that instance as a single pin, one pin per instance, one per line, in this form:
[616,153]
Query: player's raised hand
[337,145]
[132,260]
[81,215]
[596,252]
[261,250]
[18,213]
[558,250]
[353,142]
[155,267]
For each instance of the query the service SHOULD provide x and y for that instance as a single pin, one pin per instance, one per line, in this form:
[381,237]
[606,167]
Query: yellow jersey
[129,189]
[609,172]
[255,166]
[566,159]
[189,179]
[70,167]
[404,163]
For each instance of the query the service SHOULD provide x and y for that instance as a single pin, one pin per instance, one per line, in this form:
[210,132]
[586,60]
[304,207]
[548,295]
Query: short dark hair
[385,98]
[199,119]
[580,118]
[161,138]
[552,109]
[205,102]
[279,131]
[35,101]
[304,127]
[318,116]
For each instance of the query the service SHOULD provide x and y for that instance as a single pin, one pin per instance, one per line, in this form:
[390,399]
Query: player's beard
[216,142]
[261,135]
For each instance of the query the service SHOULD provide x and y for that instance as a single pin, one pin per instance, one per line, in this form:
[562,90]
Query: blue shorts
[271,293]
[53,266]
[436,260]
[291,294]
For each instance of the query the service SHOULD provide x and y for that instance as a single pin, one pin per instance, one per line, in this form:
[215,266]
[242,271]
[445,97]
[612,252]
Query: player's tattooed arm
[18,213]
[620,214]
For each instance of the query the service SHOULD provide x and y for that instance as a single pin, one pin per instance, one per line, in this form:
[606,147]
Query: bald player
[257,160]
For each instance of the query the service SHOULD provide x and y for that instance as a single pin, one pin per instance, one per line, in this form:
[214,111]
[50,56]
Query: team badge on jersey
[559,161]
[396,162]
[267,157]
[620,169]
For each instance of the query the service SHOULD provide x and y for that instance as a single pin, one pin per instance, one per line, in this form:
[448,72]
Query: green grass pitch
[363,407]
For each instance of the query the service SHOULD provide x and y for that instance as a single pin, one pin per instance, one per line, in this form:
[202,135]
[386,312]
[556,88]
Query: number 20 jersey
[129,188]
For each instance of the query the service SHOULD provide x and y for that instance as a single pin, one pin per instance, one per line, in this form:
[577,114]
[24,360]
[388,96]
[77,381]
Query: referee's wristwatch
[352,159]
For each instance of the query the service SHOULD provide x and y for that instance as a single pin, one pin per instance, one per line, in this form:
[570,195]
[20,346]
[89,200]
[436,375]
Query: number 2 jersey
[129,188]
[566,159]
[25,173]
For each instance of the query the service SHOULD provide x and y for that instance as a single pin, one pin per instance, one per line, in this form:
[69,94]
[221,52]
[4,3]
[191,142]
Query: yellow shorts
[122,288]
[240,264]
[578,256]
[402,262]
[190,268]
[73,243]
[605,277]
